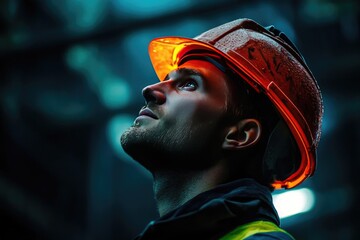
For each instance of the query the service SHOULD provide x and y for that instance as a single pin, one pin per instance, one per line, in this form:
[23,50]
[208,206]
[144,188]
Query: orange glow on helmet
[270,65]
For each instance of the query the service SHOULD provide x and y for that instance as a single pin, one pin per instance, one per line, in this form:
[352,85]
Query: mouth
[147,112]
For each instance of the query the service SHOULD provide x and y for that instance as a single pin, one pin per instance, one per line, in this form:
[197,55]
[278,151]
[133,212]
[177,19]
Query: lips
[147,112]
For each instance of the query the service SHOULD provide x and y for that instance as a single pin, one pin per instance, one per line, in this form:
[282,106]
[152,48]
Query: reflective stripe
[252,228]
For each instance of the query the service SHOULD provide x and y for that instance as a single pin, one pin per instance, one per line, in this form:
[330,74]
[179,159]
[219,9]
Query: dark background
[70,83]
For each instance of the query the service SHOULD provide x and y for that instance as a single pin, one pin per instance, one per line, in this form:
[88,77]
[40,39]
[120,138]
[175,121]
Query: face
[182,124]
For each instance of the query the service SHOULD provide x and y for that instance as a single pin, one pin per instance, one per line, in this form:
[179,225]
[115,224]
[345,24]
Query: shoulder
[258,230]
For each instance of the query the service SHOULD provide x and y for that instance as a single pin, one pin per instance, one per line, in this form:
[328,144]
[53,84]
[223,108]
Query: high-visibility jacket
[257,230]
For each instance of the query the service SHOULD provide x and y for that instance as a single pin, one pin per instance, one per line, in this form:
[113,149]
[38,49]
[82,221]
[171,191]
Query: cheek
[196,111]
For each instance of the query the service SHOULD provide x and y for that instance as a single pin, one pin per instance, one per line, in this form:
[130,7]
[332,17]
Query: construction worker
[236,114]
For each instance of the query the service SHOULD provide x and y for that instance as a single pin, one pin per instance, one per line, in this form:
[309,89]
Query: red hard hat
[268,62]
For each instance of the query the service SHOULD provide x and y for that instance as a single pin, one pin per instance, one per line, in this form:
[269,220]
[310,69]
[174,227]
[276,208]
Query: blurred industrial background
[71,74]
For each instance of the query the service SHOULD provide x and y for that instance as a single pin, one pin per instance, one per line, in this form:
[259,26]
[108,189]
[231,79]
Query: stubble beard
[152,149]
[172,149]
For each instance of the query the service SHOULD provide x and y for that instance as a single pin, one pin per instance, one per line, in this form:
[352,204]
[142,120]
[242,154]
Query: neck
[173,188]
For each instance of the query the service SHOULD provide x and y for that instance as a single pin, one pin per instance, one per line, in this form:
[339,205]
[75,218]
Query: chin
[133,143]
[128,140]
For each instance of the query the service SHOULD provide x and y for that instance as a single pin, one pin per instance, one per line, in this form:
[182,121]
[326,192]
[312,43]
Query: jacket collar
[213,213]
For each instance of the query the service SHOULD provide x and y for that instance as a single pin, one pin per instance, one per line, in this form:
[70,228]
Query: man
[236,114]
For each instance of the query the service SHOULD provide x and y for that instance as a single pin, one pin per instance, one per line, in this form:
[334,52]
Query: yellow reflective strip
[252,228]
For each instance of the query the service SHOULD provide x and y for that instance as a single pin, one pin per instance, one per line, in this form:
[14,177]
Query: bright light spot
[114,93]
[293,202]
[77,56]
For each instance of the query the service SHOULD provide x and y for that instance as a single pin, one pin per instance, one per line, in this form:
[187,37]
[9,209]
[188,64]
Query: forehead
[184,71]
[205,70]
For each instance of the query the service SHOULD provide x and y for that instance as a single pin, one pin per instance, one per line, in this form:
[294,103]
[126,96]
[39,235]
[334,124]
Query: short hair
[244,102]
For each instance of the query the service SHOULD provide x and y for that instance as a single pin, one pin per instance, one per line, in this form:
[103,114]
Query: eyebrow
[185,71]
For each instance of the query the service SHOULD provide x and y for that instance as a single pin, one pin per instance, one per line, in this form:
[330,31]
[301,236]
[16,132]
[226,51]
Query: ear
[242,135]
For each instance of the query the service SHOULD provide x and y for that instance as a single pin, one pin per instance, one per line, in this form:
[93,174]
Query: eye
[189,85]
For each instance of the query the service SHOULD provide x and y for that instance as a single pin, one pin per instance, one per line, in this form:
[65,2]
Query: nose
[153,93]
